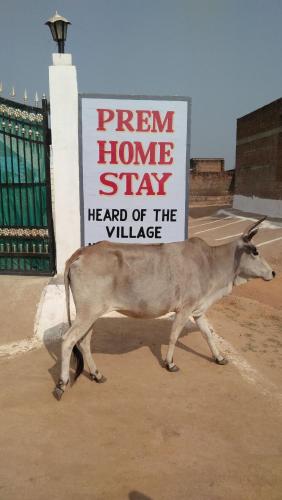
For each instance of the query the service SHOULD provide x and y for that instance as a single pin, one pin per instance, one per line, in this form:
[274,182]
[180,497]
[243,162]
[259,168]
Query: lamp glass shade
[58,30]
[58,26]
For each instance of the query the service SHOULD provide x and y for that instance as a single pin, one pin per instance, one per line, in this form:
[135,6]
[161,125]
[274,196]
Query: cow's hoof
[171,367]
[222,361]
[99,380]
[58,392]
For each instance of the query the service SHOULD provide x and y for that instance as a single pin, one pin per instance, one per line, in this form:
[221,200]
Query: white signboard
[134,160]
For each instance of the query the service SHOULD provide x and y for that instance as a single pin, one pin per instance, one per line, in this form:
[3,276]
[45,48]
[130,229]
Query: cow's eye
[254,251]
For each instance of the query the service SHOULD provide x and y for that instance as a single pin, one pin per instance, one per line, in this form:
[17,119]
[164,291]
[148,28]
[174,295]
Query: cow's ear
[252,230]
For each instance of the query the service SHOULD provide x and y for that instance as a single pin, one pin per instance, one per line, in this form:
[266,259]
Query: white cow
[148,281]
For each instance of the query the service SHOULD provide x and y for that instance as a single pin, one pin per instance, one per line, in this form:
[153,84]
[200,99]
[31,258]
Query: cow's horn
[250,232]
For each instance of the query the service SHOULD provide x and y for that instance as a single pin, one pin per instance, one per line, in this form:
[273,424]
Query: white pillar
[65,156]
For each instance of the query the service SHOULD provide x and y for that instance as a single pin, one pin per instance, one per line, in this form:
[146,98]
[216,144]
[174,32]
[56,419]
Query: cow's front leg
[207,333]
[178,324]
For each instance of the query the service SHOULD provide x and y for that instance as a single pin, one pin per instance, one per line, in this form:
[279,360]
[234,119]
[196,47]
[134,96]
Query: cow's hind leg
[70,338]
[177,327]
[84,345]
[207,333]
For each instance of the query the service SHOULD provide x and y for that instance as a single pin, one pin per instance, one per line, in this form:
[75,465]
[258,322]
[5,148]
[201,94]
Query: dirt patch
[257,337]
[20,296]
[201,433]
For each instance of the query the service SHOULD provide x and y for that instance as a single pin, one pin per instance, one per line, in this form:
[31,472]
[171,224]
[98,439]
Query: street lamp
[58,26]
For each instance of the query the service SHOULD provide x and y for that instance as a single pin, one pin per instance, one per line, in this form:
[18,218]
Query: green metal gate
[27,243]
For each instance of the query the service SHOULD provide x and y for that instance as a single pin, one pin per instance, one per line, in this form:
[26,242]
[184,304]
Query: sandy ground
[19,298]
[207,432]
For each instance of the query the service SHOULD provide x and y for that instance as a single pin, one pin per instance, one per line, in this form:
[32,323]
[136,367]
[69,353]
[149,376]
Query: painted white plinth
[65,156]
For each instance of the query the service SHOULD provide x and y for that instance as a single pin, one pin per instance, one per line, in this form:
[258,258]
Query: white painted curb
[264,225]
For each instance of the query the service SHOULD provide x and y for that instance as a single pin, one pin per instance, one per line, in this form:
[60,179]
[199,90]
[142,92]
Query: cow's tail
[79,362]
[67,290]
[76,352]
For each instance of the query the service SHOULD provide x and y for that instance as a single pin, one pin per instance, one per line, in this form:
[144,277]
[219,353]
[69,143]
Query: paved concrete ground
[207,432]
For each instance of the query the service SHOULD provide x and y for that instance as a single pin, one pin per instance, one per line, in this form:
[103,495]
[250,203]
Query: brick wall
[259,153]
[199,165]
[211,184]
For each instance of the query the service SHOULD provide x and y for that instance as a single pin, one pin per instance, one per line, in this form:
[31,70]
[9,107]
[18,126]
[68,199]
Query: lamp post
[58,26]
[65,149]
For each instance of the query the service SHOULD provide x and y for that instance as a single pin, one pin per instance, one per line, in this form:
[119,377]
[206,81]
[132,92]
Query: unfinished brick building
[209,181]
[258,173]
[207,165]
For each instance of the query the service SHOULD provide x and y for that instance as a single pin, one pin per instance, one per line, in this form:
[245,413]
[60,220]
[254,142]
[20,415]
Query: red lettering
[159,125]
[146,185]
[143,120]
[126,152]
[103,152]
[107,182]
[141,156]
[124,117]
[128,181]
[165,151]
[104,116]
[161,182]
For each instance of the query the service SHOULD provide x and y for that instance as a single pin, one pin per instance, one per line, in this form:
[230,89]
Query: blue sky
[226,55]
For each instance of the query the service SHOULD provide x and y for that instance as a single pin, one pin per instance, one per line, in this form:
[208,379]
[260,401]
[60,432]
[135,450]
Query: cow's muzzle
[269,276]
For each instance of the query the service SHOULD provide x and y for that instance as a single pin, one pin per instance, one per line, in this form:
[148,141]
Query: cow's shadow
[119,336]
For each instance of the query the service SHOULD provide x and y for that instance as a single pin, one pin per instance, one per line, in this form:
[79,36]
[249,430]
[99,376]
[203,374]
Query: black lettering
[165,215]
[173,214]
[122,232]
[91,214]
[141,233]
[110,231]
[115,214]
